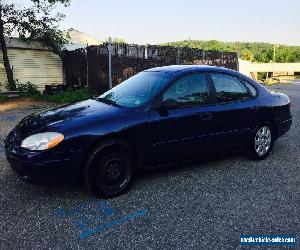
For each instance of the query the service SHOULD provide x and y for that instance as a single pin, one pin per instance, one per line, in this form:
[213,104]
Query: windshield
[137,90]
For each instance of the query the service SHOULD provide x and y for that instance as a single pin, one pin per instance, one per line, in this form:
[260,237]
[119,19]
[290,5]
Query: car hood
[62,116]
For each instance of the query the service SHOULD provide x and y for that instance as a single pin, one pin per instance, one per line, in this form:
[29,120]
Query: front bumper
[41,171]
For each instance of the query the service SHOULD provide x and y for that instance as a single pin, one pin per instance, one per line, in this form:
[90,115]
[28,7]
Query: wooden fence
[90,66]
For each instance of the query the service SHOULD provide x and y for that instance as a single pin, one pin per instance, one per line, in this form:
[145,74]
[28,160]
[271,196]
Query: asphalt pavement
[203,205]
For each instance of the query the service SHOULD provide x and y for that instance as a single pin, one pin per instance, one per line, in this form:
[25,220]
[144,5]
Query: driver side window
[188,91]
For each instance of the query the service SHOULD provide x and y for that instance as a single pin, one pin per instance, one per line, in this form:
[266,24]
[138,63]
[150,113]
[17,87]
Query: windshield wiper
[107,101]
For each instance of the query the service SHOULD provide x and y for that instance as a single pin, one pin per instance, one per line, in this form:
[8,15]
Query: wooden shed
[31,62]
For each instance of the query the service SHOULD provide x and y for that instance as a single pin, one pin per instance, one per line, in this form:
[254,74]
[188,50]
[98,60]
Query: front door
[182,130]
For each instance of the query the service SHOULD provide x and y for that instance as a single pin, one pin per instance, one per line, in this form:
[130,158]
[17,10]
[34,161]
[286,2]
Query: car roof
[189,68]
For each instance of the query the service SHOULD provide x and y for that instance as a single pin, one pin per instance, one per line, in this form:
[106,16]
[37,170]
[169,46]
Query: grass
[271,81]
[70,96]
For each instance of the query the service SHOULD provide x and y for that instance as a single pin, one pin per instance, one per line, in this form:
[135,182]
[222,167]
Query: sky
[157,21]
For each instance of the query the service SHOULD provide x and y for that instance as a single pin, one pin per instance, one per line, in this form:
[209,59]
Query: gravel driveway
[203,205]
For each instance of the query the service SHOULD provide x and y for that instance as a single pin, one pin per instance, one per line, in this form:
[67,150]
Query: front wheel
[108,174]
[261,142]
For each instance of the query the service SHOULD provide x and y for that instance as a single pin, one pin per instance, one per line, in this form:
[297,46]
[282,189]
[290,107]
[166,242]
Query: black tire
[109,171]
[262,141]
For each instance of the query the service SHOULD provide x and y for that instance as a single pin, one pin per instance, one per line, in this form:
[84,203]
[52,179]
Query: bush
[71,96]
[261,76]
[3,97]
[28,90]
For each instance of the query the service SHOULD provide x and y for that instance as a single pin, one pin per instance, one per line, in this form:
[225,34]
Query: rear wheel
[108,172]
[261,142]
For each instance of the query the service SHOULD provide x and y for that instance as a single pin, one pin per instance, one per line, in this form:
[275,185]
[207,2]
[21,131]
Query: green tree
[37,22]
[284,55]
[116,40]
[214,45]
[252,51]
[246,54]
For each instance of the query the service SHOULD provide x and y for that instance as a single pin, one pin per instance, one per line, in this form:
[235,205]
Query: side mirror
[169,104]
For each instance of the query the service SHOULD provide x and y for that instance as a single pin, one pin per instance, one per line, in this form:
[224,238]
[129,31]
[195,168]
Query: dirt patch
[24,103]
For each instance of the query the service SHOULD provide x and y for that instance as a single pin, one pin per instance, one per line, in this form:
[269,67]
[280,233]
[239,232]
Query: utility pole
[87,65]
[178,55]
[274,57]
[109,63]
[274,53]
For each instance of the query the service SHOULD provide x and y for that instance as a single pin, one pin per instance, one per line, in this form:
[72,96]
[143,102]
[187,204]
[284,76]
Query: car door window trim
[230,102]
[245,82]
[155,107]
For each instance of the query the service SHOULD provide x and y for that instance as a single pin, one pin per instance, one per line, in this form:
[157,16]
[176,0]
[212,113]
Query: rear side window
[188,91]
[229,88]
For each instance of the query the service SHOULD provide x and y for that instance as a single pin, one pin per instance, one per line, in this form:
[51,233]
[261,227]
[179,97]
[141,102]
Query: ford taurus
[157,116]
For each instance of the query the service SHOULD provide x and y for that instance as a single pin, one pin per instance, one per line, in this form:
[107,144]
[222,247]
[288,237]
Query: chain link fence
[104,66]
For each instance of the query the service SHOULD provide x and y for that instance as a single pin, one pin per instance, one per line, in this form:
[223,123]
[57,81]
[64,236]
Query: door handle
[206,116]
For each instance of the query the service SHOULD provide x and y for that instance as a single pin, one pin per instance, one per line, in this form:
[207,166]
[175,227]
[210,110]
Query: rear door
[182,131]
[235,111]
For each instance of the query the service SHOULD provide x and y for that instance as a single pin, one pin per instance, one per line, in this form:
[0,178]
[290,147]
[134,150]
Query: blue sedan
[158,116]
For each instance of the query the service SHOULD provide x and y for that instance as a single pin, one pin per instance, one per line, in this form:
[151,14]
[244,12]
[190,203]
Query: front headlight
[42,141]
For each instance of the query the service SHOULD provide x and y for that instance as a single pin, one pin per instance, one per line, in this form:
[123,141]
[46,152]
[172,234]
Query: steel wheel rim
[114,174]
[263,140]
